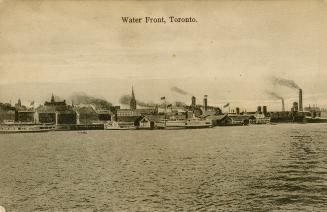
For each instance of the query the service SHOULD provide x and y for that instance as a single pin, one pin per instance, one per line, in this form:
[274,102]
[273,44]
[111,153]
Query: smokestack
[237,110]
[193,101]
[205,102]
[264,109]
[300,100]
[259,109]
[283,105]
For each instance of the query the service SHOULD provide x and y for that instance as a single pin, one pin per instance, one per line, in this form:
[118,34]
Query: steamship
[184,124]
[24,128]
[113,125]
[315,120]
[172,124]
[198,123]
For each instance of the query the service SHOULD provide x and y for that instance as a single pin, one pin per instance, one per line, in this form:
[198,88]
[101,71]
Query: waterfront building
[126,121]
[7,113]
[136,112]
[47,117]
[105,115]
[56,112]
[144,122]
[128,112]
[66,117]
[26,116]
[149,121]
[54,103]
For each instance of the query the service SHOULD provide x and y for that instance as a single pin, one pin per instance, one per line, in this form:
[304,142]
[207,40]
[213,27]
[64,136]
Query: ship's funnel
[205,102]
[237,110]
[283,105]
[264,110]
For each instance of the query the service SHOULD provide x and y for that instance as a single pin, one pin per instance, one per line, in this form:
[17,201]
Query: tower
[52,99]
[300,100]
[193,102]
[19,103]
[205,102]
[132,103]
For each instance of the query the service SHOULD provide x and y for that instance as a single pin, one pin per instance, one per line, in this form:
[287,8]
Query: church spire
[132,103]
[52,98]
[133,95]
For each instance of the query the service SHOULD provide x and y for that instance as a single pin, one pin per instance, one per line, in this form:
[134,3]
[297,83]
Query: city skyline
[228,54]
[181,95]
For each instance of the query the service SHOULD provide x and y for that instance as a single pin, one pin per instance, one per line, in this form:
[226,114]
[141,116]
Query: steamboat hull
[21,128]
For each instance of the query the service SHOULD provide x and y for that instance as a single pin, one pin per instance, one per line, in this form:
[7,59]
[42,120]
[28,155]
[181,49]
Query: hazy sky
[228,53]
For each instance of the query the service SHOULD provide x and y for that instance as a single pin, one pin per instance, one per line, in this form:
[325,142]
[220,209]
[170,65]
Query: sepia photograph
[167,105]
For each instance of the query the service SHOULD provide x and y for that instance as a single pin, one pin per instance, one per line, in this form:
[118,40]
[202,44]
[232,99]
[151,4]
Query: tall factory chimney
[283,105]
[193,101]
[300,100]
[205,102]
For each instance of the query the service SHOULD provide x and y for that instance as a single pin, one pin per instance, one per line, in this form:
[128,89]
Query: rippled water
[255,168]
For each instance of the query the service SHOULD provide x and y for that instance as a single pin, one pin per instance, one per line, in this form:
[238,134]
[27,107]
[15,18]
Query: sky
[230,53]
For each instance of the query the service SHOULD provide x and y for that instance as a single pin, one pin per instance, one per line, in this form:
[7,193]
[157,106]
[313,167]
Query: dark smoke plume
[285,82]
[125,100]
[144,104]
[81,98]
[180,104]
[226,105]
[179,90]
[274,95]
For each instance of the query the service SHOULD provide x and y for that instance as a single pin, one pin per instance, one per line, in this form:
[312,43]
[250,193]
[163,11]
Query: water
[255,168]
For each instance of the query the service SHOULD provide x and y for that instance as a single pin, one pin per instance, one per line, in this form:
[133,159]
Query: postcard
[163,105]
